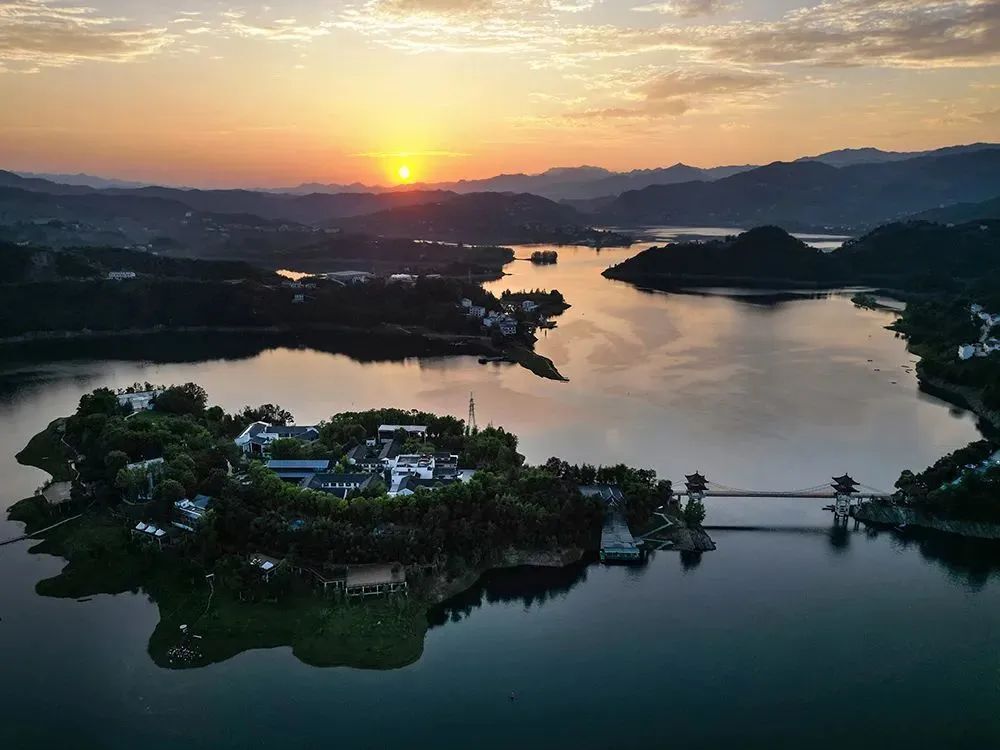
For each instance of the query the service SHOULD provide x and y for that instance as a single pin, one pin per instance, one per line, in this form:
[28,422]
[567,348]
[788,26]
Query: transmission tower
[471,424]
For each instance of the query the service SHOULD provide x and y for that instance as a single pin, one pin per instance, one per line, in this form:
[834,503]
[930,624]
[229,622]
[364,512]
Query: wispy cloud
[687,8]
[670,93]
[834,33]
[38,33]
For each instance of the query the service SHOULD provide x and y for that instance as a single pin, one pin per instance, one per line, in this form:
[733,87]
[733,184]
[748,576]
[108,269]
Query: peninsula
[335,538]
[100,292]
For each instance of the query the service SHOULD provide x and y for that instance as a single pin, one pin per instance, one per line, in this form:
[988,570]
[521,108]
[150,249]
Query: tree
[167,492]
[132,483]
[101,401]
[114,462]
[189,398]
[287,448]
[270,413]
[694,512]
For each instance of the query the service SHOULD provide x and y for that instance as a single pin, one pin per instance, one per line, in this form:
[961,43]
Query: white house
[120,275]
[139,401]
[528,306]
[476,311]
[507,326]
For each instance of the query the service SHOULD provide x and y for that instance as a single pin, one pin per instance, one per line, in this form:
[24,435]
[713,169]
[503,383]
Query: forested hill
[21,264]
[960,213]
[813,194]
[477,217]
[902,255]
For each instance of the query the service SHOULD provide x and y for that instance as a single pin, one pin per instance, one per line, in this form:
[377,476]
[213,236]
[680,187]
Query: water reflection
[530,586]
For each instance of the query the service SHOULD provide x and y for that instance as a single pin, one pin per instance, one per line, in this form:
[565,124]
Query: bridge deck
[796,495]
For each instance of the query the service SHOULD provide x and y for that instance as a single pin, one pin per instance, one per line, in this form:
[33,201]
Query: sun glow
[403,172]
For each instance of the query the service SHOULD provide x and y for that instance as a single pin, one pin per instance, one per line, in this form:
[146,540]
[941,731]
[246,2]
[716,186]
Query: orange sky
[222,95]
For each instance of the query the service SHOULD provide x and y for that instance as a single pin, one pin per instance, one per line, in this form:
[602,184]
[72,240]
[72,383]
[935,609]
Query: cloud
[987,118]
[671,93]
[278,30]
[39,33]
[832,33]
[687,8]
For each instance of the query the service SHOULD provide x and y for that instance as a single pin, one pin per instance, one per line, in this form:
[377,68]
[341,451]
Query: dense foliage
[144,303]
[505,505]
[960,485]
[913,255]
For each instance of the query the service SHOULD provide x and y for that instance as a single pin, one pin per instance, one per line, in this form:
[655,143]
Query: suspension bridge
[618,543]
[840,488]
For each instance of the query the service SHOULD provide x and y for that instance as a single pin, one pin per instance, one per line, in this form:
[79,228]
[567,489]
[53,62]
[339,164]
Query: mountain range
[801,195]
[579,183]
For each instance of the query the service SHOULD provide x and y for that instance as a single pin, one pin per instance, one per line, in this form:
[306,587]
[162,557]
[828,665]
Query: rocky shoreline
[895,515]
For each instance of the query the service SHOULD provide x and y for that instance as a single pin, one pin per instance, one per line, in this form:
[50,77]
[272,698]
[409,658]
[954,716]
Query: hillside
[811,194]
[306,209]
[900,255]
[478,217]
[19,264]
[960,213]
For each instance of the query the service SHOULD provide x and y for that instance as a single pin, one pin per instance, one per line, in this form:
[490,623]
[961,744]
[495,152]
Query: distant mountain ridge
[847,157]
[815,195]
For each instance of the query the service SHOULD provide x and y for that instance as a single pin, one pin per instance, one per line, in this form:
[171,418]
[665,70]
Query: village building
[265,564]
[140,400]
[388,432]
[375,579]
[190,513]
[349,278]
[151,533]
[295,470]
[340,485]
[120,275]
[257,437]
[368,458]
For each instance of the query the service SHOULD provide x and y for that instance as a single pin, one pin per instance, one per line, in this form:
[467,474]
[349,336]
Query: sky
[336,91]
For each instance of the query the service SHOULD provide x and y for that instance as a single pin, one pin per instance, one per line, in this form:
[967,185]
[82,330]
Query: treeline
[916,255]
[21,264]
[144,303]
[936,327]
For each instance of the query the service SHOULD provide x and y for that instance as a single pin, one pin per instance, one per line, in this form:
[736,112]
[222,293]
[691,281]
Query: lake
[793,633]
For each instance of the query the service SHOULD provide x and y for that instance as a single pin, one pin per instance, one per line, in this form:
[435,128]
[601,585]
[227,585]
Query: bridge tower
[697,485]
[845,487]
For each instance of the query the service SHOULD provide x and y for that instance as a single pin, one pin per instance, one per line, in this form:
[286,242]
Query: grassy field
[47,452]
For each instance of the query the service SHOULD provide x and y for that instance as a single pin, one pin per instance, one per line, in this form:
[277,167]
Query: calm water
[793,634]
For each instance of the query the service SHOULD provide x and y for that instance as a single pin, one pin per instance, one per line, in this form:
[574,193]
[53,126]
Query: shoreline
[461,344]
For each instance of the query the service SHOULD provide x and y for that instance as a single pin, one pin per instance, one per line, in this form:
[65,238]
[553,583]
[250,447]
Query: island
[335,538]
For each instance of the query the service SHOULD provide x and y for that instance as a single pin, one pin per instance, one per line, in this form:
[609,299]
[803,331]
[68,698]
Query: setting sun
[403,172]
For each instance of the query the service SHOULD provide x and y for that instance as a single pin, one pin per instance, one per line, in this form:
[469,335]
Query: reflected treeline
[21,360]
[528,585]
[763,299]
[972,562]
